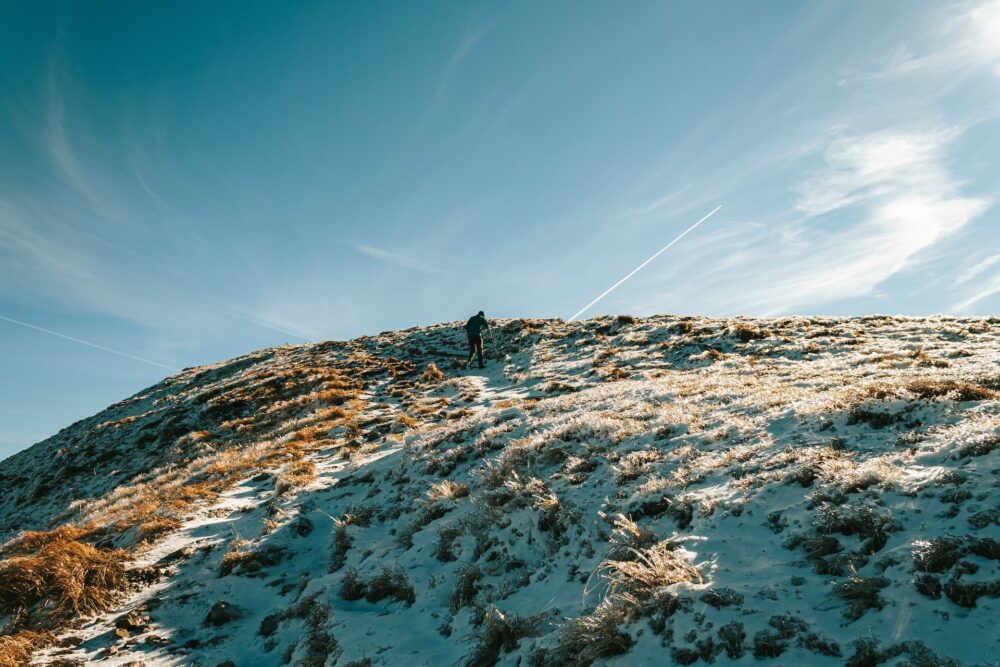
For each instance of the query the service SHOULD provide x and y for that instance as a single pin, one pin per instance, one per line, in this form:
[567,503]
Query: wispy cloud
[983,291]
[976,269]
[395,258]
[966,35]
[466,44]
[898,183]
[977,282]
[885,199]
[881,202]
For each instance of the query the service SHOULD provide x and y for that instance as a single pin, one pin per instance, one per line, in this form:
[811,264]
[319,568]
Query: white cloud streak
[88,343]
[641,266]
[394,258]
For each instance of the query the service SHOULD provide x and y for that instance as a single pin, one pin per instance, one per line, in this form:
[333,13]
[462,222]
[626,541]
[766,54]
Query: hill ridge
[596,495]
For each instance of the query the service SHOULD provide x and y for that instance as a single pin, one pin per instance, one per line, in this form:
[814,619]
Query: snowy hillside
[670,490]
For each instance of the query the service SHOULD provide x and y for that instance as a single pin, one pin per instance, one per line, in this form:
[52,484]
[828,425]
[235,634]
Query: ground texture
[667,490]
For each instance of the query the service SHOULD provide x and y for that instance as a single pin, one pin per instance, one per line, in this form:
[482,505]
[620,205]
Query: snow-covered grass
[617,491]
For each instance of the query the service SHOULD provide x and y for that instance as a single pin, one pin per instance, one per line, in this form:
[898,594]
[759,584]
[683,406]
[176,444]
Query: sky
[184,182]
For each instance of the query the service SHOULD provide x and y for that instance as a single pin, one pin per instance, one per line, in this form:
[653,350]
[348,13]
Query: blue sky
[183,182]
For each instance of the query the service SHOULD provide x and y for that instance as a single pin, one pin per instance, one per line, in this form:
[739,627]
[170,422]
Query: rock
[69,641]
[133,622]
[183,553]
[226,663]
[144,575]
[121,634]
[221,613]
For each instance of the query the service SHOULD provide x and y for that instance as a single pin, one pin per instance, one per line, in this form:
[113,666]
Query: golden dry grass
[64,578]
[30,541]
[447,490]
[928,389]
[16,648]
[432,373]
[650,570]
[295,476]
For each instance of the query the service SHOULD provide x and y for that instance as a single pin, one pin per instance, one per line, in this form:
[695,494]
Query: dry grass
[466,587]
[390,583]
[926,389]
[31,541]
[501,634]
[746,333]
[432,373]
[629,538]
[861,594]
[447,490]
[341,545]
[295,475]
[250,561]
[592,637]
[633,464]
[262,419]
[16,648]
[649,571]
[63,579]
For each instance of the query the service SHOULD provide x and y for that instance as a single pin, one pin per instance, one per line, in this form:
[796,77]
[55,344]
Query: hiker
[474,328]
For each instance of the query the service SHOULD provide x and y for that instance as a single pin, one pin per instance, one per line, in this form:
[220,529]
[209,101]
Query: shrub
[980,445]
[873,528]
[629,538]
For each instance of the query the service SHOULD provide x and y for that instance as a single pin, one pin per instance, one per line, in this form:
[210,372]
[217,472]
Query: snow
[741,441]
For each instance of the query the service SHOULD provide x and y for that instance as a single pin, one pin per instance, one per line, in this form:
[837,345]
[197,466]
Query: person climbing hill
[474,329]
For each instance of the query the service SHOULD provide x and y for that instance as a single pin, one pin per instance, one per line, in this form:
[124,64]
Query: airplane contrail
[87,343]
[638,268]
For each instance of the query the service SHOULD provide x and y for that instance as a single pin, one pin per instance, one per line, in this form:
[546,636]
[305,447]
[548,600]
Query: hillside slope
[817,491]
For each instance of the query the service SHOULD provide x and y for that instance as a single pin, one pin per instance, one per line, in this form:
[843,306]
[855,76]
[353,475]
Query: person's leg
[479,350]
[472,351]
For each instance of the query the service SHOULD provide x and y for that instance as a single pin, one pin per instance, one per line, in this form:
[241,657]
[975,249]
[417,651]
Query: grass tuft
[61,580]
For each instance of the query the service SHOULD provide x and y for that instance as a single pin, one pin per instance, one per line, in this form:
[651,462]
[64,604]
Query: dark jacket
[475,325]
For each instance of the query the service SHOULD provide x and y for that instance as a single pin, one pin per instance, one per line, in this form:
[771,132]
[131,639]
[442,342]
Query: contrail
[88,343]
[638,268]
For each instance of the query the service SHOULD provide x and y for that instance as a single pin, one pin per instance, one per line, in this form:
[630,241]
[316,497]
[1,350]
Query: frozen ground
[816,491]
